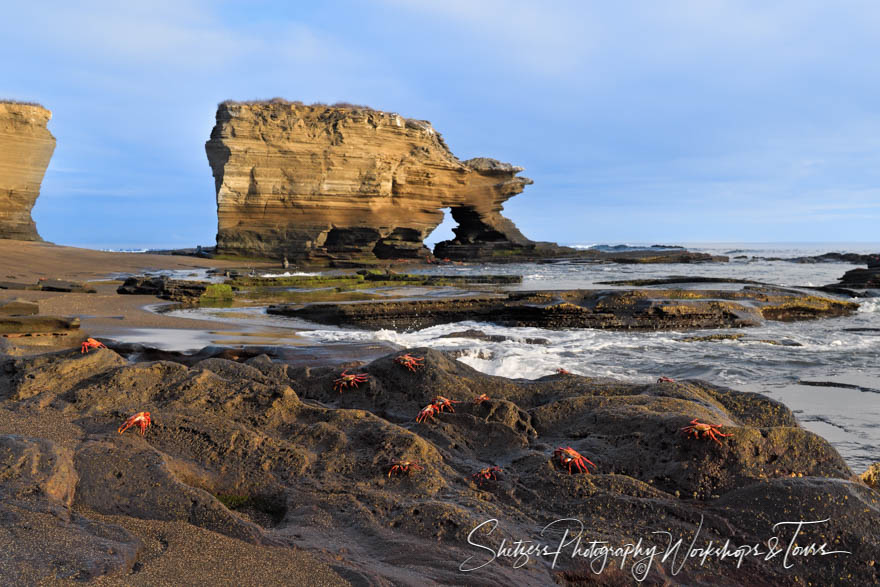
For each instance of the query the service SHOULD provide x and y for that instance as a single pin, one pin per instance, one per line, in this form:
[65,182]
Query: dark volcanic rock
[36,324]
[52,373]
[480,335]
[619,309]
[861,278]
[854,258]
[63,285]
[677,279]
[59,285]
[310,467]
[143,485]
[163,287]
[18,307]
[42,539]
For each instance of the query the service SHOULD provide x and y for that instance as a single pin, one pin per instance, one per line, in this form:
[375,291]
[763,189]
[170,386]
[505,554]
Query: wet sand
[27,261]
[105,313]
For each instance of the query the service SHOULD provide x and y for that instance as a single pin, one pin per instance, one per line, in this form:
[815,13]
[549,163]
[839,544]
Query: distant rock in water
[26,146]
[324,183]
[858,279]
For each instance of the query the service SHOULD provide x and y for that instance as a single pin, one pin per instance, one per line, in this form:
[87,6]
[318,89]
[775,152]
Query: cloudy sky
[674,121]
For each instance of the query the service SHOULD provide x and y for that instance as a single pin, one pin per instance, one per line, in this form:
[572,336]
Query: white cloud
[518,33]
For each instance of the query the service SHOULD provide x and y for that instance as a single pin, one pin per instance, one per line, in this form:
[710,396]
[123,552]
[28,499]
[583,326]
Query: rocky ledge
[273,455]
[655,309]
[348,183]
[26,146]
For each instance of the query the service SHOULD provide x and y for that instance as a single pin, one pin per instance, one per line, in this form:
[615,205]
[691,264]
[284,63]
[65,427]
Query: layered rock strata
[341,183]
[26,146]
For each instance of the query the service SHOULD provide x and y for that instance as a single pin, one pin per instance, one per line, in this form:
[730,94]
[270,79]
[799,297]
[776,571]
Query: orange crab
[481,398]
[666,380]
[410,362]
[427,412]
[487,474]
[441,402]
[403,467]
[347,379]
[435,407]
[706,430]
[569,456]
[562,371]
[141,420]
[91,343]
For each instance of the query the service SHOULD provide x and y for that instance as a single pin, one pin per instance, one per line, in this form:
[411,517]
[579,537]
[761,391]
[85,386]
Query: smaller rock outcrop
[862,278]
[617,310]
[26,146]
[163,287]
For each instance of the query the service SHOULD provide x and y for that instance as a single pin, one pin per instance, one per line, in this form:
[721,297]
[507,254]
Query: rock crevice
[340,183]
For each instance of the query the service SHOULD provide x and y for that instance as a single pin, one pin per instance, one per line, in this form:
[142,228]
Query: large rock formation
[349,183]
[26,147]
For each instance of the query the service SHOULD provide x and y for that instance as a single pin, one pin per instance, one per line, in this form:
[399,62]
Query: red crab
[666,380]
[481,398]
[487,474]
[562,371]
[435,407]
[441,402]
[91,343]
[427,412]
[141,420]
[410,362]
[569,456]
[347,379]
[706,430]
[403,467]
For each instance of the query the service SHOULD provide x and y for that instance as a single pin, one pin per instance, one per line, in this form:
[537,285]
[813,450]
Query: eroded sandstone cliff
[343,183]
[26,146]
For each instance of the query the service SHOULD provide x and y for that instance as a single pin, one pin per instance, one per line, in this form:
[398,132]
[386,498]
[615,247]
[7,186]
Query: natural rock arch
[339,183]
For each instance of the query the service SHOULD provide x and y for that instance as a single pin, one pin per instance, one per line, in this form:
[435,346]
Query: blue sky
[643,121]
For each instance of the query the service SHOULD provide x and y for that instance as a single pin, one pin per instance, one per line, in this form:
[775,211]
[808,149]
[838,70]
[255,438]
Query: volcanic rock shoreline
[276,457]
[607,309]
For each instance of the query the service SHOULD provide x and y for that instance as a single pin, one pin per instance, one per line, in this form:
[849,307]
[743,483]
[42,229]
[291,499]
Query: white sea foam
[289,274]
[870,305]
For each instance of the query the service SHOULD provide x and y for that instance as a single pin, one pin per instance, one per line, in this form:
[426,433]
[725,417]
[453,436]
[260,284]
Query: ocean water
[826,370]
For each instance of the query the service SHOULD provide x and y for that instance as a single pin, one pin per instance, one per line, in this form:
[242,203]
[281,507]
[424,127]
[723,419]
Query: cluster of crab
[439,403]
[566,456]
[347,380]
